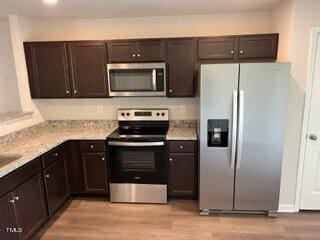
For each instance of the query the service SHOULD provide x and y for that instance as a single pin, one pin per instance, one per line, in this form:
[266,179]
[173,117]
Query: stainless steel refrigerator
[241,128]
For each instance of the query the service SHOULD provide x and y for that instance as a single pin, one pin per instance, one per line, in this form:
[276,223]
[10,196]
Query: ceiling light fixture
[50,2]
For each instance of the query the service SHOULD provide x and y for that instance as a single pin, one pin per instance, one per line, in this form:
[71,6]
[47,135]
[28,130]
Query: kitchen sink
[8,158]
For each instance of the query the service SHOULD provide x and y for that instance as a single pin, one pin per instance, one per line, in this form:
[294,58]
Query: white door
[310,195]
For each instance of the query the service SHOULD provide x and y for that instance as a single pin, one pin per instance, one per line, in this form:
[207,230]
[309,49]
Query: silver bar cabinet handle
[234,128]
[240,130]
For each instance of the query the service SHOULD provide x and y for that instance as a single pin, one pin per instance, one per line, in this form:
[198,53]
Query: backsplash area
[64,109]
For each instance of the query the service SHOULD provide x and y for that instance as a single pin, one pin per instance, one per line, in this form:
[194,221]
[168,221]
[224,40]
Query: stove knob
[128,114]
[122,114]
[158,114]
[162,114]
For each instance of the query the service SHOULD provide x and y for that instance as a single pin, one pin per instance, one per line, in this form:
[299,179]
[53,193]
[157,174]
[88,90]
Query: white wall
[282,17]
[9,96]
[174,26]
[304,14]
[178,26]
[58,109]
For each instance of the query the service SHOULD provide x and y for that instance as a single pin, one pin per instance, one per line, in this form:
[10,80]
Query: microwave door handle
[135,144]
[154,79]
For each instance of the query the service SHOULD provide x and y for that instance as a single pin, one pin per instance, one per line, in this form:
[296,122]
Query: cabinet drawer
[53,156]
[19,176]
[92,146]
[182,146]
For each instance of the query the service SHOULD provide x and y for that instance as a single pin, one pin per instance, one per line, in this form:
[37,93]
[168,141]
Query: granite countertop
[182,133]
[11,116]
[46,136]
[32,142]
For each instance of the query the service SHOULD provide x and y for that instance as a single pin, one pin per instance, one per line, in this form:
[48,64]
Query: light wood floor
[179,220]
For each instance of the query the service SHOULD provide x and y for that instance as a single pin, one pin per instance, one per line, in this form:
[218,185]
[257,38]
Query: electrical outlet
[182,109]
[100,109]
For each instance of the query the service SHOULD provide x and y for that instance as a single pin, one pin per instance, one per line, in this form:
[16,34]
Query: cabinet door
[75,170]
[122,51]
[258,46]
[94,172]
[182,175]
[88,64]
[181,69]
[7,222]
[48,70]
[29,205]
[56,185]
[217,48]
[150,51]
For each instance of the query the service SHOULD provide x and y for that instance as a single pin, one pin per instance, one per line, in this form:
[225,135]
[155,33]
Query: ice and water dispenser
[218,132]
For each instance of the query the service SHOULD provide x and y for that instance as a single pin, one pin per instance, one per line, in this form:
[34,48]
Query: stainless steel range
[137,156]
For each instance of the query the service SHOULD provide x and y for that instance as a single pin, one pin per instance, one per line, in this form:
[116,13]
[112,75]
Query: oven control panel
[143,115]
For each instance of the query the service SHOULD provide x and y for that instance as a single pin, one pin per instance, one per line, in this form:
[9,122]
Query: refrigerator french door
[242,127]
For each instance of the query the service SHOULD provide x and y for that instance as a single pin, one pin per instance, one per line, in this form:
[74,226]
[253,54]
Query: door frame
[315,34]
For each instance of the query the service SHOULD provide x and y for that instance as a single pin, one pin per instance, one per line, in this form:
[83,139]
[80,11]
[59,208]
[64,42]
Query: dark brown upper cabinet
[122,51]
[47,64]
[149,50]
[181,67]
[88,63]
[77,69]
[263,46]
[217,48]
[64,70]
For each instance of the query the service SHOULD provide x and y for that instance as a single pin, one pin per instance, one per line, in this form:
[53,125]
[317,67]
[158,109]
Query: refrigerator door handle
[234,128]
[240,129]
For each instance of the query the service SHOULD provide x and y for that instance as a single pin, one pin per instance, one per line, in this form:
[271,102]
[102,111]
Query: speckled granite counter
[32,142]
[11,116]
[182,133]
[182,130]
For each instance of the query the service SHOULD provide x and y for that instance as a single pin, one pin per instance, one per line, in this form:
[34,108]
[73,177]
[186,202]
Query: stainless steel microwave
[137,79]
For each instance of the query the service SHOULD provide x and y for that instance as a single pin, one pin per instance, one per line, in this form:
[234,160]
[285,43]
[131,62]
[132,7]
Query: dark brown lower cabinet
[182,175]
[56,183]
[94,172]
[7,221]
[74,166]
[29,206]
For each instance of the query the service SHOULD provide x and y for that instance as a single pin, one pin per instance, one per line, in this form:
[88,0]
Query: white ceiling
[67,9]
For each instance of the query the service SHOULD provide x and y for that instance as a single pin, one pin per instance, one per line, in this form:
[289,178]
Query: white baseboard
[287,208]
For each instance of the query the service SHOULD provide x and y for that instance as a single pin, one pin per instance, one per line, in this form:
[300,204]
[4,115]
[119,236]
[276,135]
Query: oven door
[137,79]
[137,162]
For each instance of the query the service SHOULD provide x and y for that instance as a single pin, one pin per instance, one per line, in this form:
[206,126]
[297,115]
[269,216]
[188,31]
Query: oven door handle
[135,144]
